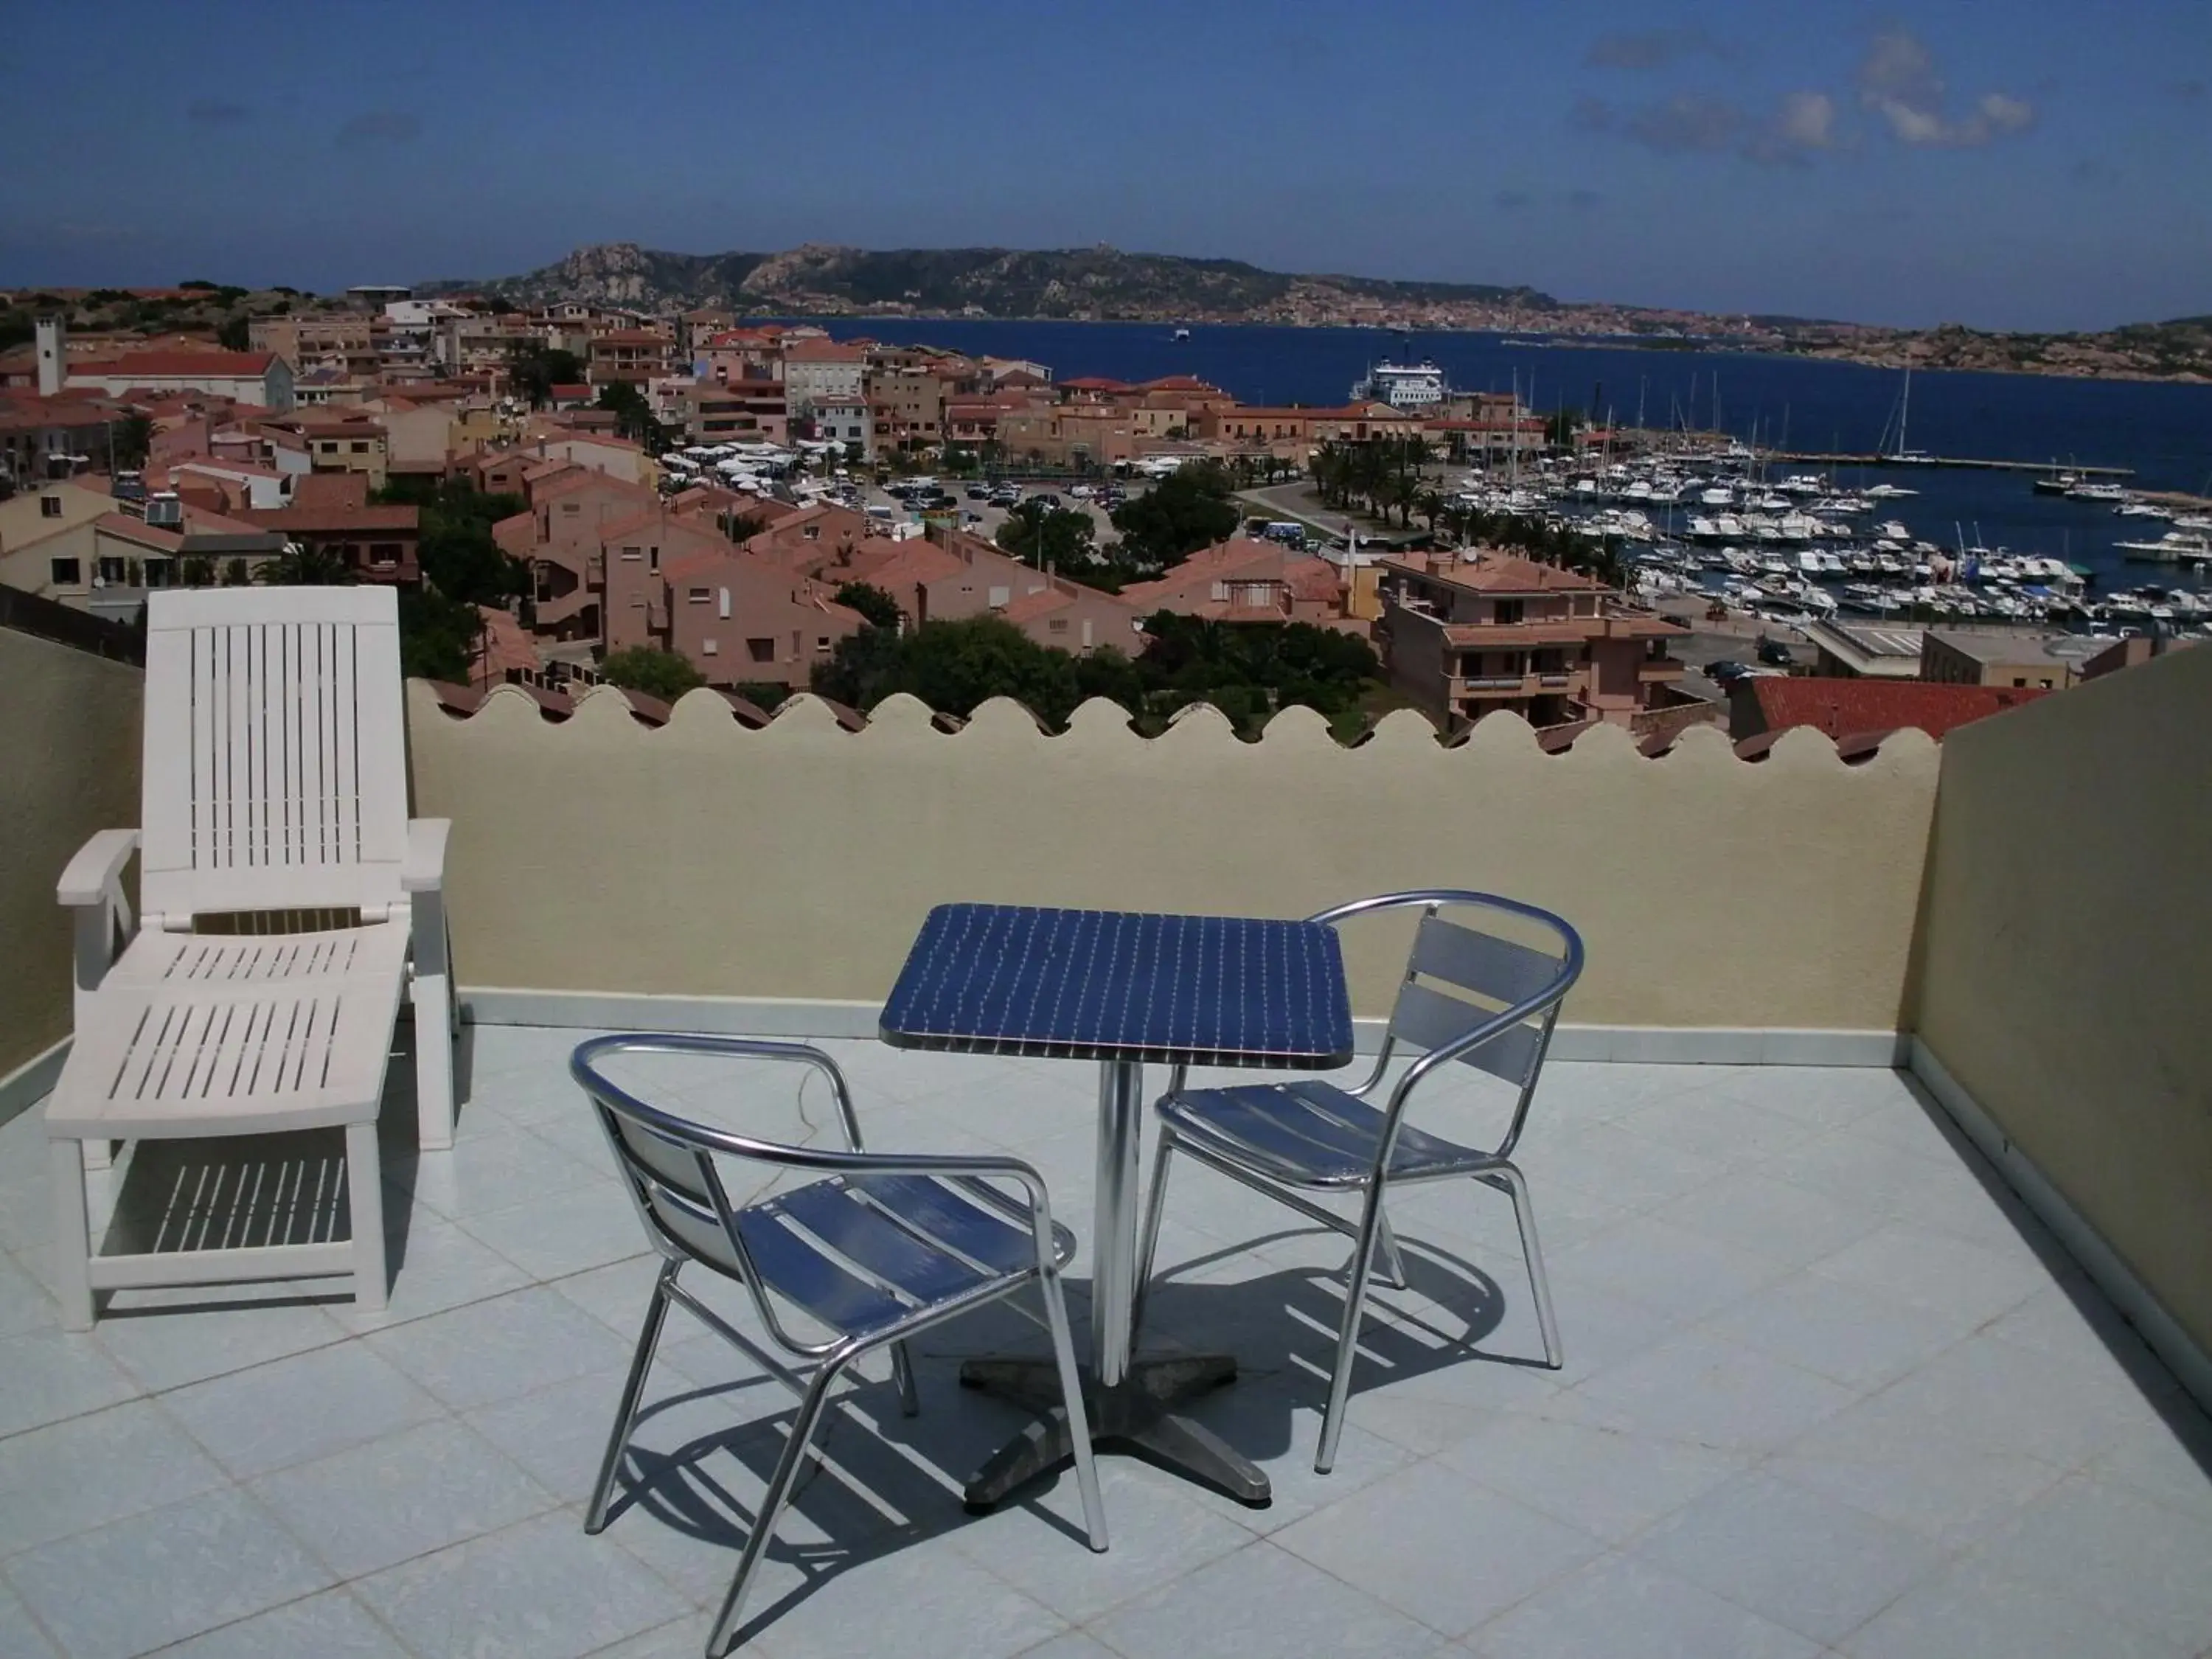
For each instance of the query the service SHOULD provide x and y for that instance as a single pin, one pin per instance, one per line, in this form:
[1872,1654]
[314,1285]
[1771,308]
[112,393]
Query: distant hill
[1086,284]
[1106,285]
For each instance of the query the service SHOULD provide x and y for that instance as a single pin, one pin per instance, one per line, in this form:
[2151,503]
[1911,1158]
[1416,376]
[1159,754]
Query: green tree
[234,334]
[1044,536]
[438,636]
[633,416]
[952,666]
[662,674]
[536,368]
[880,608]
[1190,509]
[134,438]
[196,571]
[235,573]
[300,566]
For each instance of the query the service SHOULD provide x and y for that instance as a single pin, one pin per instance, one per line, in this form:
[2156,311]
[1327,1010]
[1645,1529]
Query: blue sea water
[2163,431]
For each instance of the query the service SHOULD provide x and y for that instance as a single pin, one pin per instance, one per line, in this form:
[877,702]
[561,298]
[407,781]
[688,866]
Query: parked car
[977,493]
[1775,654]
[1726,672]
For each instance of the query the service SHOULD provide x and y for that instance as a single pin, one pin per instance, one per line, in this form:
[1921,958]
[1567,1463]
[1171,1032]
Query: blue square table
[1120,989]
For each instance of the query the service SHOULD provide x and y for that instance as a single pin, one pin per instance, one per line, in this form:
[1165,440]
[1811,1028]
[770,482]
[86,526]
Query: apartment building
[814,369]
[734,411]
[2047,662]
[1468,635]
[633,356]
[343,340]
[247,377]
[740,620]
[344,440]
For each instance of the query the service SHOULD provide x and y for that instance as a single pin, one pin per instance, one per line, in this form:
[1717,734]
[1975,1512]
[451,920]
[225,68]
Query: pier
[2050,467]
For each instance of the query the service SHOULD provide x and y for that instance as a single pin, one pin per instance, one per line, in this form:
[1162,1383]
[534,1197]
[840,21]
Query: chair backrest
[1460,977]
[275,775]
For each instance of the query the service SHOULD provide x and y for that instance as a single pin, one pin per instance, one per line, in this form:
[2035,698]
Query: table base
[1131,1416]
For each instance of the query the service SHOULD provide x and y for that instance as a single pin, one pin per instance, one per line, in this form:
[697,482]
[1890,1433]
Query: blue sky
[2022,164]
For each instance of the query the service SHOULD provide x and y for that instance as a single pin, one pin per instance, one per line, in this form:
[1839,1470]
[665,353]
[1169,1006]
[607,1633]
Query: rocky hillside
[1088,283]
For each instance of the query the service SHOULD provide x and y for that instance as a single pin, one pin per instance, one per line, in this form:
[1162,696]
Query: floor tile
[1858,1337]
[1158,1532]
[1810,1563]
[165,1574]
[1784,1223]
[1433,1544]
[19,1635]
[290,1410]
[2169,1460]
[331,1625]
[401,1496]
[1610,1483]
[439,1267]
[502,1348]
[1676,1272]
[1701,1389]
[566,1232]
[72,1476]
[1260,1603]
[24,1304]
[1621,1608]
[496,1166]
[1992,1393]
[923,1602]
[2105,1547]
[1971,1611]
[168,1338]
[1930,1270]
[1270,1423]
[50,1374]
[540,1590]
[560,1433]
[1904,1466]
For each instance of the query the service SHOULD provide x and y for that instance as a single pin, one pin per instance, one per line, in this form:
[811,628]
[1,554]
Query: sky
[2023,164]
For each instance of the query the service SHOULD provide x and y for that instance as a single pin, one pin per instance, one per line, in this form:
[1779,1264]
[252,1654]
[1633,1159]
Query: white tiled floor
[1828,1392]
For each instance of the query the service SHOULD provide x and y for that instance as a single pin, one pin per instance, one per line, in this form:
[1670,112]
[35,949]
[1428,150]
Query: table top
[1003,979]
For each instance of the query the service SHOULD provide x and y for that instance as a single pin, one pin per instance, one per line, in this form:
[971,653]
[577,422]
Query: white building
[247,377]
[815,370]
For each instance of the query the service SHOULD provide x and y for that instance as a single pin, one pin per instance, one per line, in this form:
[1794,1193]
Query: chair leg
[1347,1336]
[72,1234]
[1393,1265]
[1516,1189]
[433,1060]
[1148,1241]
[772,1502]
[365,1197]
[902,1374]
[648,1340]
[1078,1420]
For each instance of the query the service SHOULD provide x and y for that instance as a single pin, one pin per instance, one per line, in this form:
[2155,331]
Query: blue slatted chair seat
[859,1254]
[1309,1131]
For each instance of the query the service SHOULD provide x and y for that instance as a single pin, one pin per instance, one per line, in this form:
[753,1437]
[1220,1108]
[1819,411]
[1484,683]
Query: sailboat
[1901,456]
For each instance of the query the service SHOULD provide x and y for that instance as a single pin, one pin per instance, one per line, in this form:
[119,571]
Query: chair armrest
[424,870]
[98,867]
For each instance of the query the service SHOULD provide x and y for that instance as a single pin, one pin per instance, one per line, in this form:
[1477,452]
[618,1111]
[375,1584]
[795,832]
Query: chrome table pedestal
[1127,1397]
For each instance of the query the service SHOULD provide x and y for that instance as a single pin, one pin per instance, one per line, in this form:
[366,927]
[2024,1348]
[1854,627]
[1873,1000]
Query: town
[584,495]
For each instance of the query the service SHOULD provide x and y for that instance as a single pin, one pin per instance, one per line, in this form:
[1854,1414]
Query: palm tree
[300,566]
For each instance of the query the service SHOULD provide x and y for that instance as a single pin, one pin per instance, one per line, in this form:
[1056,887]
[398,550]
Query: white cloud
[1899,82]
[1806,120]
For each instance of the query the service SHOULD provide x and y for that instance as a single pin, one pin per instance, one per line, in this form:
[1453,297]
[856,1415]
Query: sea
[2162,431]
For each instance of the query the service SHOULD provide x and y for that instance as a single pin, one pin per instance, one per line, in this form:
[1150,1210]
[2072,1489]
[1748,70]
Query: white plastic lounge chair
[274,799]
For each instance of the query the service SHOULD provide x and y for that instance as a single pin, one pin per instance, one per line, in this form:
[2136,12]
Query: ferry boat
[1402,386]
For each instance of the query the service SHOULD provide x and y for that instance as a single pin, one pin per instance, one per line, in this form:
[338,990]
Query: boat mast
[1905,409]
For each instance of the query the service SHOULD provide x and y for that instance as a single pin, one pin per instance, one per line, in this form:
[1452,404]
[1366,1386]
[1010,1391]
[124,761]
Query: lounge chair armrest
[93,874]
[424,871]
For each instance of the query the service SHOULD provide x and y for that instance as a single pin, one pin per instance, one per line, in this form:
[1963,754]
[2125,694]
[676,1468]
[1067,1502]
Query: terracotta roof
[331,520]
[823,351]
[1042,603]
[124,527]
[346,490]
[1502,572]
[178,365]
[1093,383]
[1853,708]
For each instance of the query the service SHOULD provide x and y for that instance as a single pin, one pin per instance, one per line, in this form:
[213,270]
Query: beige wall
[701,858]
[70,767]
[2066,974]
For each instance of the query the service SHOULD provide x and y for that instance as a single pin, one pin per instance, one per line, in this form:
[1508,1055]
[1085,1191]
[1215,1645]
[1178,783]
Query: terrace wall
[702,859]
[2066,976]
[69,765]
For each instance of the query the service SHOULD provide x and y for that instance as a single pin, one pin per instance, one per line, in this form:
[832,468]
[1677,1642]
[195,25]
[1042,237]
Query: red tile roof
[1852,708]
[333,520]
[179,365]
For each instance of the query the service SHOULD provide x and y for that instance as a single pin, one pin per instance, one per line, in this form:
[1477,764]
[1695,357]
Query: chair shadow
[887,1482]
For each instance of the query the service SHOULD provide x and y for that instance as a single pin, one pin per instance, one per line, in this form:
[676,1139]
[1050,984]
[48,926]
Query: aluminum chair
[886,1245]
[1307,1135]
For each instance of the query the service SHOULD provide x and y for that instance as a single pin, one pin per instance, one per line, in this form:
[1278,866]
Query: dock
[2050,467]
